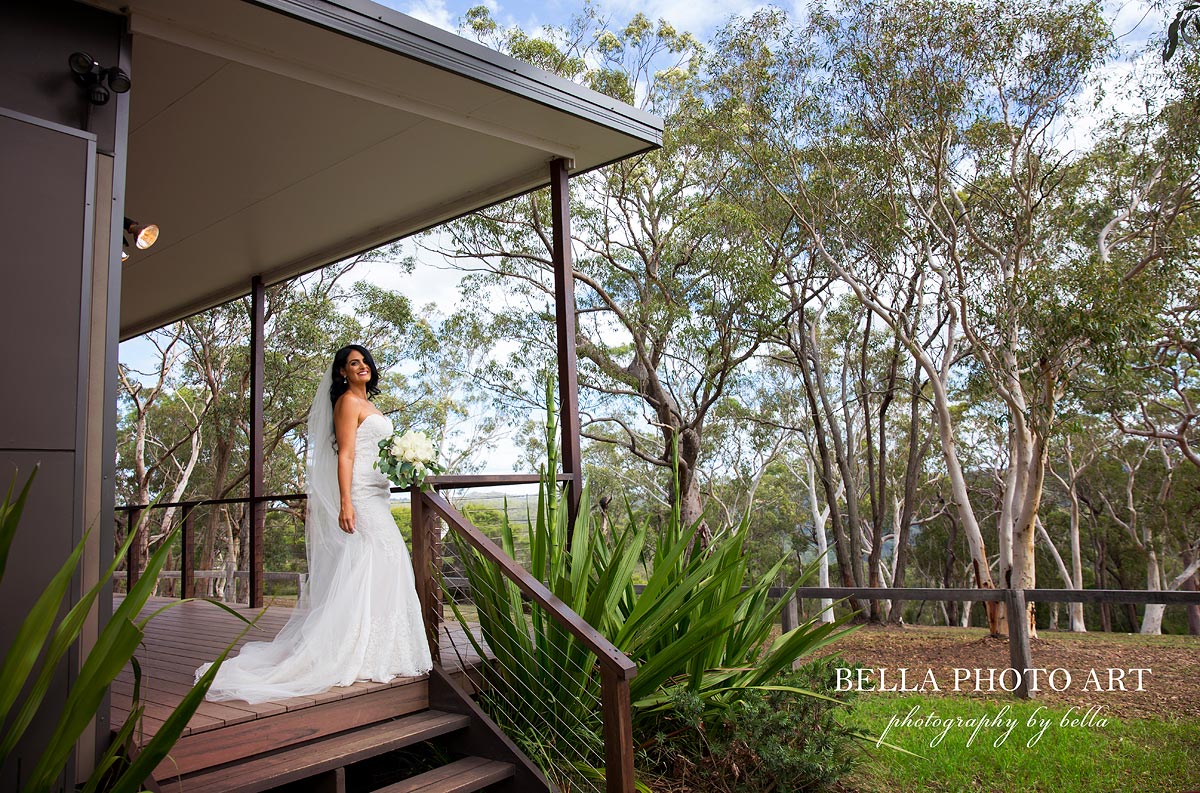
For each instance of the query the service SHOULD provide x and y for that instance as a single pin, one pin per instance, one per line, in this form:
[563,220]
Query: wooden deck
[183,637]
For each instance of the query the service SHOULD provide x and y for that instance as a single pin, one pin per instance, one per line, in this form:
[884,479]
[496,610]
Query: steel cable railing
[554,684]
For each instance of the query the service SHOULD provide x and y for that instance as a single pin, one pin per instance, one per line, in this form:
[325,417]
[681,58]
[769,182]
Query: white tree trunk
[819,518]
[1152,616]
[938,378]
[1076,609]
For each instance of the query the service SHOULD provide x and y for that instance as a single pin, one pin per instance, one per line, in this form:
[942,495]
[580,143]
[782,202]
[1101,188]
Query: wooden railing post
[426,553]
[1019,656]
[134,561]
[618,731]
[564,313]
[187,557]
[257,506]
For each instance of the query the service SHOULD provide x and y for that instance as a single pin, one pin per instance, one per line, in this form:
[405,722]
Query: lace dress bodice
[367,478]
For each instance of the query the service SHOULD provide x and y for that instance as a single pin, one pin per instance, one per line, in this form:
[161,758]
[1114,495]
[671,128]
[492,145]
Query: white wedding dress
[358,617]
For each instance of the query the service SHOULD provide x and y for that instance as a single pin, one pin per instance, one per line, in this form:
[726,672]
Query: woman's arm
[345,429]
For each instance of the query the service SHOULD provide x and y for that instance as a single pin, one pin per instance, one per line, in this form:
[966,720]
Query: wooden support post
[1019,655]
[618,731]
[564,313]
[789,619]
[134,560]
[187,556]
[426,561]
[256,506]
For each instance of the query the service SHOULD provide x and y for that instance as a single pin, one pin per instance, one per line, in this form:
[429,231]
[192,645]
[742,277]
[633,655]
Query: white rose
[424,448]
[413,447]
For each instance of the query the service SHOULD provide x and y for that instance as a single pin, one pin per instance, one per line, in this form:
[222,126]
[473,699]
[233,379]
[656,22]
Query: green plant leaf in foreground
[10,516]
[157,749]
[113,649]
[64,636]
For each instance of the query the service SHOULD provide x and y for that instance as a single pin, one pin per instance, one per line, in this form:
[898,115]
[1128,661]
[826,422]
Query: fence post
[790,618]
[187,557]
[618,731]
[426,553]
[1019,656]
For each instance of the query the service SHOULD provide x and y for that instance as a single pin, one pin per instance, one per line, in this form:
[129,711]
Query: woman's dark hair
[340,386]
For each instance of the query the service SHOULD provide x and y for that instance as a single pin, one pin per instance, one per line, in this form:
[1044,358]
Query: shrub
[700,631]
[767,740]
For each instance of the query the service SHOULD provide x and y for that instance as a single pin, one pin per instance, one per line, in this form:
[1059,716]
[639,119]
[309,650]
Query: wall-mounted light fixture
[144,235]
[97,80]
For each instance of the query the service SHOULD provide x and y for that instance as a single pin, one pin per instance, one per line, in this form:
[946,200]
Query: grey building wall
[57,335]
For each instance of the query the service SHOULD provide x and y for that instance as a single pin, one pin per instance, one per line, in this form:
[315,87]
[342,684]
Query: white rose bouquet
[407,459]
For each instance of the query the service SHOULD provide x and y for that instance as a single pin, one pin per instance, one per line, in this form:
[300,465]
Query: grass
[1118,755]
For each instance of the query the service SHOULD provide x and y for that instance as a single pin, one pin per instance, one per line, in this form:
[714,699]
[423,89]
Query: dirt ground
[1171,688]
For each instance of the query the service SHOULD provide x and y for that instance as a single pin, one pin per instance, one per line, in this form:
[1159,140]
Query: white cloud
[698,17]
[428,283]
[435,13]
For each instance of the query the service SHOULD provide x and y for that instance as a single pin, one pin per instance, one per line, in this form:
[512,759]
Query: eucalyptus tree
[1139,492]
[1148,172]
[673,285]
[924,143]
[159,436]
[1078,451]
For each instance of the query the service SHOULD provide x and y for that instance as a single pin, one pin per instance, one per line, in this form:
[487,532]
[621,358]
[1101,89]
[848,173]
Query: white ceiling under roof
[271,143]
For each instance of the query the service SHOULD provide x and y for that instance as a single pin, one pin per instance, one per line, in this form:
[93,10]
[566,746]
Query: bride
[357,617]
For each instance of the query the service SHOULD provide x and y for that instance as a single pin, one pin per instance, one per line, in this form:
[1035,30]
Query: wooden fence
[1014,600]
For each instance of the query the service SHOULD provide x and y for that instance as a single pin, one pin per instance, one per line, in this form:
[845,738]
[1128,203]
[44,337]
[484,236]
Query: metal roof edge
[397,32]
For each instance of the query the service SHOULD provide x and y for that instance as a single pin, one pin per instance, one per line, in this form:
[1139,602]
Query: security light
[92,76]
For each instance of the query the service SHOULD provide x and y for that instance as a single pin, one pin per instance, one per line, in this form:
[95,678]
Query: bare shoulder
[349,405]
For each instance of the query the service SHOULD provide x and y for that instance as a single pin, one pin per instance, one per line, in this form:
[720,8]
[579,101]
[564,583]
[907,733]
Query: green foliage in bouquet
[407,459]
[701,625]
[40,636]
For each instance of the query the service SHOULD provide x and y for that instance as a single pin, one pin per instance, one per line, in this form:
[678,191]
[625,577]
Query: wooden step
[218,747]
[461,776]
[306,760]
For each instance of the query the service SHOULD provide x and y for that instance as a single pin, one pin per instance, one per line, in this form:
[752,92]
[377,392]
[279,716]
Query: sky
[1134,21]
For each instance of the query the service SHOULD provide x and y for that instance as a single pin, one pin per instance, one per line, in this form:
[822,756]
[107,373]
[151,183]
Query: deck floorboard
[180,639]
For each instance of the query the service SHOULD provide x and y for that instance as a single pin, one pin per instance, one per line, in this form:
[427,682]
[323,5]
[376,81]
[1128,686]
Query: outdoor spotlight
[124,255]
[143,235]
[118,80]
[92,76]
[83,64]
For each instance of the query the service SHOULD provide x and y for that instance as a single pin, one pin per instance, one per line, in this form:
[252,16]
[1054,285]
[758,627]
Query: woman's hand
[346,518]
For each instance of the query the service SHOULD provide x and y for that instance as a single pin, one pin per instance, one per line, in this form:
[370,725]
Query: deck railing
[615,669]
[429,511]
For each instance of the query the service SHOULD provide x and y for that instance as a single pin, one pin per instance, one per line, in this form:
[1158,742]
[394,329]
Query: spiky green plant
[701,623]
[40,636]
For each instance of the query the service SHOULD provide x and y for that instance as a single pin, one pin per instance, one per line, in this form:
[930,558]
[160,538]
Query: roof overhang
[277,136]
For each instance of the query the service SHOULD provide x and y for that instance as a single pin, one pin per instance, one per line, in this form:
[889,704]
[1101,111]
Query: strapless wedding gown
[363,623]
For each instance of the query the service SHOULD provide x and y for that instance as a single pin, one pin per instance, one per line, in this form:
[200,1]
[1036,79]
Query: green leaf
[156,750]
[10,516]
[27,646]
[116,643]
